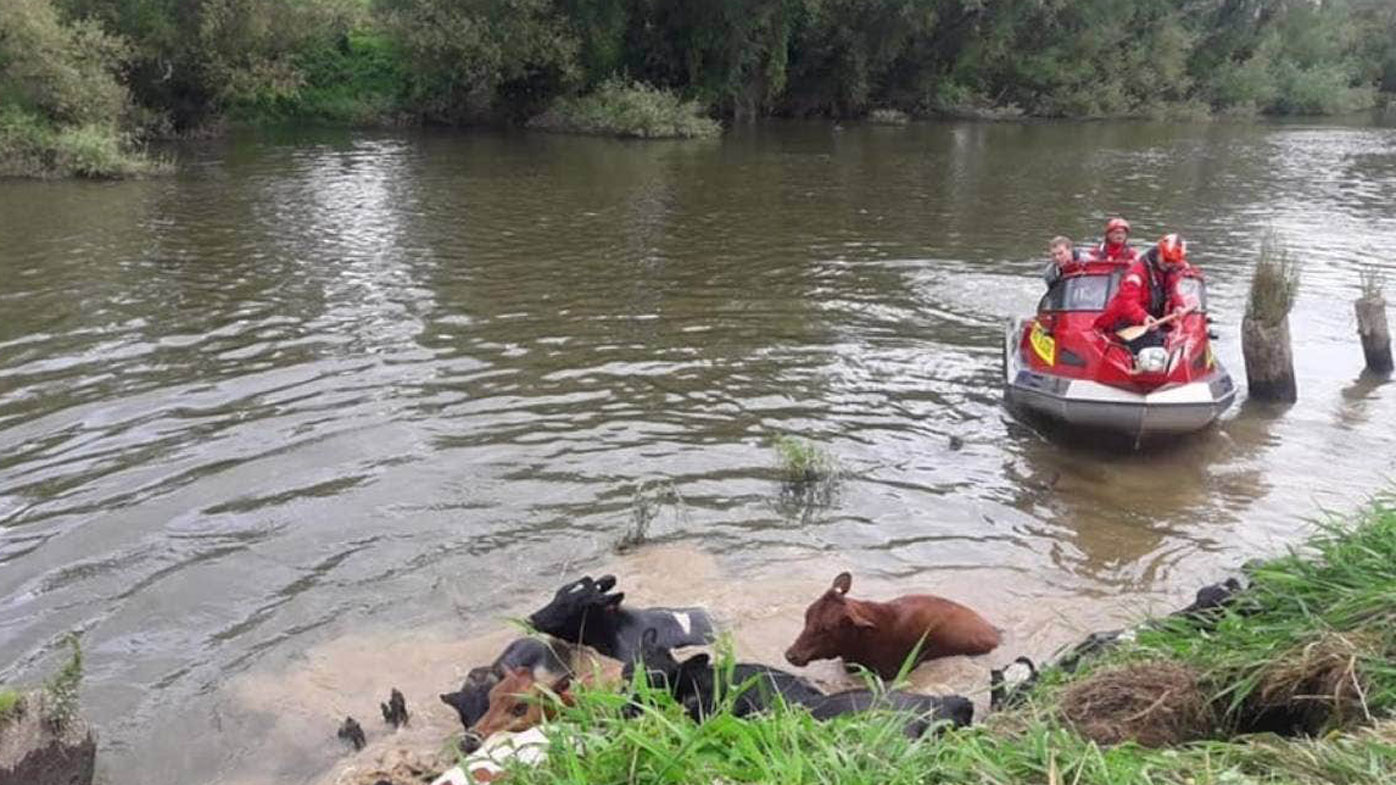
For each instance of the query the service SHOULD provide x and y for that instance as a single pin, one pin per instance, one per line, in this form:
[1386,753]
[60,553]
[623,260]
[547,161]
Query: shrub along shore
[83,82]
[1294,681]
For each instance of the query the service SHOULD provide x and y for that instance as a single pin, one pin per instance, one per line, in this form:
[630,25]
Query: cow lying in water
[695,682]
[881,635]
[544,659]
[930,710]
[519,702]
[584,612]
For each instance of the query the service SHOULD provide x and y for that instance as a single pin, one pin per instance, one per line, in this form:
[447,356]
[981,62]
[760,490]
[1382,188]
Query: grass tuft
[802,461]
[1372,282]
[1274,284]
[61,690]
[11,703]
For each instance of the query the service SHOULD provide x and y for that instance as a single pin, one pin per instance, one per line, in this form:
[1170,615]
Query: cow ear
[560,686]
[859,618]
[843,582]
[613,601]
[605,583]
[649,637]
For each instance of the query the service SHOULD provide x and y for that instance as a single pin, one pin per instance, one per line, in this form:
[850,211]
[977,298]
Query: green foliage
[64,72]
[1338,596]
[61,106]
[61,690]
[11,703]
[803,461]
[191,62]
[1274,284]
[355,79]
[30,146]
[618,108]
[473,60]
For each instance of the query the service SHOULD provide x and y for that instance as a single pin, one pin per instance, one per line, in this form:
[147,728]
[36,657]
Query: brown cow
[517,703]
[881,635]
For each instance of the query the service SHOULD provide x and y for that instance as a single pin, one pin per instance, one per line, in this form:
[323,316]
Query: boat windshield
[1080,293]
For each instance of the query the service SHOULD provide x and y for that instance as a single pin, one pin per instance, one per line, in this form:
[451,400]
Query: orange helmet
[1116,223]
[1172,249]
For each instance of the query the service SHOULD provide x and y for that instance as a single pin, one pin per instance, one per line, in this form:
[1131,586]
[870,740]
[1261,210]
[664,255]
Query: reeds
[1274,284]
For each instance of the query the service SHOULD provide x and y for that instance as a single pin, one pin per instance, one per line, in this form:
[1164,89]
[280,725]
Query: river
[307,419]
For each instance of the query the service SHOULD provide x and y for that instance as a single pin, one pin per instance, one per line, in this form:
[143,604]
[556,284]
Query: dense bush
[618,108]
[62,109]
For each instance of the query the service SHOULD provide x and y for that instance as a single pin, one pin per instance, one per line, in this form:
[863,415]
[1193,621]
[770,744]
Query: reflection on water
[270,429]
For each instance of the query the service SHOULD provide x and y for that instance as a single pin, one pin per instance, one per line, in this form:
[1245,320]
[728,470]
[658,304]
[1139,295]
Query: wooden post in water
[1265,339]
[1371,323]
[1269,360]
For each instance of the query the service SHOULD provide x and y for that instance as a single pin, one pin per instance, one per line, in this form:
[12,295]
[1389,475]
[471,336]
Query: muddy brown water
[315,417]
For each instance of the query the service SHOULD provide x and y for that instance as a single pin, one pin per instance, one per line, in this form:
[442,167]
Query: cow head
[660,666]
[566,616]
[517,703]
[473,699]
[832,624]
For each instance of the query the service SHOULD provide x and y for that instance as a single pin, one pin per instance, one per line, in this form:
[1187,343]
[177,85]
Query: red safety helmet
[1116,223]
[1172,249]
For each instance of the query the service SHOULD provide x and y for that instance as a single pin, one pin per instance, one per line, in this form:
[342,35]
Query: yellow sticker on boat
[1043,344]
[1211,360]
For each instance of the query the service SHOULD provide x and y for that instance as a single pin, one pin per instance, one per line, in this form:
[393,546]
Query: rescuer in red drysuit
[1115,247]
[1149,288]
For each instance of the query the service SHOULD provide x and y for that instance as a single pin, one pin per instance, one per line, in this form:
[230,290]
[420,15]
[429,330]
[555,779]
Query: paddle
[1134,331]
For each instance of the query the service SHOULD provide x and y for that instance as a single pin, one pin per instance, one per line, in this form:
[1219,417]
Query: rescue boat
[1059,366]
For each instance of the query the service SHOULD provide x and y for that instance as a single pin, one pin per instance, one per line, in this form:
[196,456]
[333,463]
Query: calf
[695,682]
[930,710]
[518,702]
[473,699]
[881,635]
[585,612]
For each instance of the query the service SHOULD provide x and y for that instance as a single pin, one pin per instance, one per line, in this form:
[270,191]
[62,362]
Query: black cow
[930,710]
[695,681]
[585,612]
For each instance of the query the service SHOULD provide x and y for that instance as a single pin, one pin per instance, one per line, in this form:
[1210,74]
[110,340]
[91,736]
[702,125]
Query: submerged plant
[802,461]
[648,502]
[1274,284]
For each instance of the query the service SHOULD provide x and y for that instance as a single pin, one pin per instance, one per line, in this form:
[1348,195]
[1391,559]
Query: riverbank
[1292,681]
[147,71]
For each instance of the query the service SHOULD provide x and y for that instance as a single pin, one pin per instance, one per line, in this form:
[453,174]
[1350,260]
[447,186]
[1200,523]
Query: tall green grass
[1275,283]
[9,703]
